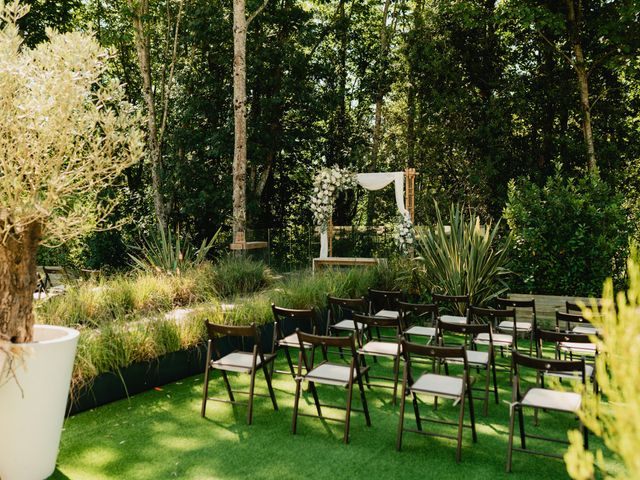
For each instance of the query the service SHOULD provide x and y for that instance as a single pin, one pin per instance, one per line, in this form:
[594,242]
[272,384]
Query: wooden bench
[345,262]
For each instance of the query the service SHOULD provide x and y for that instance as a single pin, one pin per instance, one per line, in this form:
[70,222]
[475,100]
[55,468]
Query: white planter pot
[32,410]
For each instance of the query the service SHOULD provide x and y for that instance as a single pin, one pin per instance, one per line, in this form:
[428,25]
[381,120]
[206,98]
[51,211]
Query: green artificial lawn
[160,434]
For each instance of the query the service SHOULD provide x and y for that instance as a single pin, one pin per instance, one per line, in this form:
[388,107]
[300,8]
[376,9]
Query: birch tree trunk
[17,284]
[574,21]
[240,120]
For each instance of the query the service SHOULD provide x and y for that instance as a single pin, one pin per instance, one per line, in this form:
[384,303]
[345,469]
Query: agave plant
[164,252]
[464,257]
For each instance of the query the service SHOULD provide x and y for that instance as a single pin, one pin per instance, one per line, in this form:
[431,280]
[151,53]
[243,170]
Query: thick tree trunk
[17,285]
[574,20]
[240,120]
[143,49]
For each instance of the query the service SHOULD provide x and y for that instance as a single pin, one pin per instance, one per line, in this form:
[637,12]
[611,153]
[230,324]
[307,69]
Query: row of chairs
[407,320]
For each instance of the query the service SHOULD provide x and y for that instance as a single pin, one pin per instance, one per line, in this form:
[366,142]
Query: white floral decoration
[326,185]
[404,234]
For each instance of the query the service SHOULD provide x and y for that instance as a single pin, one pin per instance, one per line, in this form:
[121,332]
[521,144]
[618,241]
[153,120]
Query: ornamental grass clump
[464,256]
[66,133]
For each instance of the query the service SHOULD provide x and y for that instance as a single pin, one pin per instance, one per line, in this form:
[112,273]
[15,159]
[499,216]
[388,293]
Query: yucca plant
[165,252]
[466,258]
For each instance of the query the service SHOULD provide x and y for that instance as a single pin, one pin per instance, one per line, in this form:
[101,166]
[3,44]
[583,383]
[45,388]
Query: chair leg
[363,399]
[396,372]
[296,402]
[252,385]
[460,427]
[403,400]
[289,361]
[486,390]
[271,392]
[523,442]
[495,380]
[314,392]
[416,411]
[347,419]
[472,416]
[227,385]
[363,362]
[585,435]
[205,391]
[512,414]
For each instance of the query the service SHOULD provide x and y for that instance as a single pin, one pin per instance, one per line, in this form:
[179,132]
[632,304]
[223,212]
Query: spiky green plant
[467,258]
[166,252]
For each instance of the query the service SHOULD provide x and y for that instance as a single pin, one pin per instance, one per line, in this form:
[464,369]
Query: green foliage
[569,235]
[240,275]
[165,252]
[467,258]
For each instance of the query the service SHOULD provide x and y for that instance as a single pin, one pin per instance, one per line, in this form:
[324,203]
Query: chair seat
[419,331]
[578,348]
[387,349]
[440,385]
[347,325]
[552,400]
[474,357]
[585,330]
[507,326]
[588,371]
[239,362]
[292,341]
[499,339]
[330,374]
[453,319]
[388,314]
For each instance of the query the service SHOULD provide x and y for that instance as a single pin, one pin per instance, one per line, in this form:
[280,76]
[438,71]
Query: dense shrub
[569,235]
[241,275]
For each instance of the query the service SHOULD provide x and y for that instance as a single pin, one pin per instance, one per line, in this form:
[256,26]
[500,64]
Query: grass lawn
[160,434]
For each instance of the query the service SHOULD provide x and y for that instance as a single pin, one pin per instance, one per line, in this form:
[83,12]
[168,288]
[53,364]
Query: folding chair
[327,373]
[453,305]
[384,303]
[538,397]
[379,348]
[340,312]
[521,328]
[436,385]
[494,317]
[287,321]
[574,322]
[237,361]
[475,359]
[418,319]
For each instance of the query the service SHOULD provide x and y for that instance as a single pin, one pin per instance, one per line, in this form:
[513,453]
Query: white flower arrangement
[326,185]
[404,234]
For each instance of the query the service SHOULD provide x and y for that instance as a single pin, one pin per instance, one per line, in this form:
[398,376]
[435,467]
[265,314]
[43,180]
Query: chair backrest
[490,315]
[451,303]
[378,322]
[384,299]
[541,365]
[568,319]
[530,304]
[324,342]
[467,330]
[434,352]
[288,319]
[574,307]
[417,313]
[250,332]
[340,308]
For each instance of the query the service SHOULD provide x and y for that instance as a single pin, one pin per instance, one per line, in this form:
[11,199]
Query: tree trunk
[574,20]
[17,285]
[143,49]
[240,120]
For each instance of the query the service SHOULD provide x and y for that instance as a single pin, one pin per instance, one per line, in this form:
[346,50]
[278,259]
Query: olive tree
[66,133]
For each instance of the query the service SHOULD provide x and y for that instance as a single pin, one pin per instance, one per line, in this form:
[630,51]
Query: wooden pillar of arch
[409,191]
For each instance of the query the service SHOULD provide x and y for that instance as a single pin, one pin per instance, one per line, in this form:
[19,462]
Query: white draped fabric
[373,181]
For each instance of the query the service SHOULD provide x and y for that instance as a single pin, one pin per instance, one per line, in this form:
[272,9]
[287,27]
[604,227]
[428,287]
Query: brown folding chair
[287,321]
[494,317]
[239,361]
[384,303]
[384,346]
[484,360]
[418,319]
[521,328]
[436,385]
[327,373]
[540,398]
[340,312]
[451,306]
[574,322]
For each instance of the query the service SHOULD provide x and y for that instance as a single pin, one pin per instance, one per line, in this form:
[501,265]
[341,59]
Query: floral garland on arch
[404,233]
[326,185]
